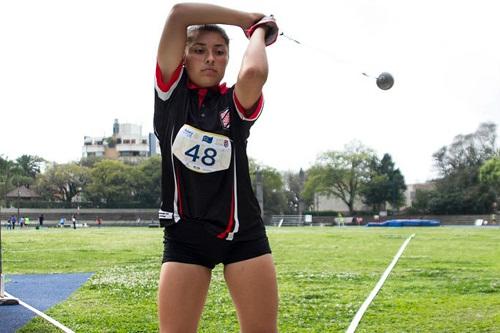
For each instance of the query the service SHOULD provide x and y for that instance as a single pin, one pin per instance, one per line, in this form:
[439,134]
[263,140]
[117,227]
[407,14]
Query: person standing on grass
[12,221]
[208,209]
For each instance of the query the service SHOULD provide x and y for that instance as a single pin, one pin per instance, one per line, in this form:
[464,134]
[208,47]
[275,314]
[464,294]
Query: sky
[69,68]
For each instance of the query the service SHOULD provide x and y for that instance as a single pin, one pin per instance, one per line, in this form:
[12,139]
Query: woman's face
[206,59]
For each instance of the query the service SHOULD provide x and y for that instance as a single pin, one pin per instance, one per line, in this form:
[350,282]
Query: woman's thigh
[181,296]
[253,287]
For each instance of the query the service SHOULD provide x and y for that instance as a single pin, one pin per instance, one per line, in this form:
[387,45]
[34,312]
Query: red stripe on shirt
[159,78]
[253,113]
[179,197]
[230,223]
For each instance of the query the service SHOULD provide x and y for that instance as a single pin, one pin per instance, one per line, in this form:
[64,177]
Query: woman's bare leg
[181,296]
[254,290]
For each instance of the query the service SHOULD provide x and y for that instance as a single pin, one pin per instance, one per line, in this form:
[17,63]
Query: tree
[340,173]
[90,161]
[29,165]
[489,173]
[294,188]
[314,183]
[423,201]
[384,184]
[460,191]
[17,173]
[112,184]
[6,167]
[467,151]
[62,182]
[273,188]
[148,183]
[7,170]
[375,191]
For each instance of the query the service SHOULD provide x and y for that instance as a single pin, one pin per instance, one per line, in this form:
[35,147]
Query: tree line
[91,182]
[468,182]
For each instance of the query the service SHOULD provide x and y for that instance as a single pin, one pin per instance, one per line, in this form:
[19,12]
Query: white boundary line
[43,315]
[357,318]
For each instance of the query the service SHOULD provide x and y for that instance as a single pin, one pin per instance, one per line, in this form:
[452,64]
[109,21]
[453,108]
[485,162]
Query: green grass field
[447,280]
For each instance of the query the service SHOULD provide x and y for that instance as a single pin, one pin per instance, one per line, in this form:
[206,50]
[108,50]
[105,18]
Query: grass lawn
[447,280]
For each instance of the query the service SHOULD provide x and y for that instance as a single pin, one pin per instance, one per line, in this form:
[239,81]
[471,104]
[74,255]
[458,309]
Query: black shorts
[189,242]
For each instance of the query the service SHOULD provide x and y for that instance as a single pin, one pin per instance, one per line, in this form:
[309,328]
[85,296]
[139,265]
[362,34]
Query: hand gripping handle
[271,27]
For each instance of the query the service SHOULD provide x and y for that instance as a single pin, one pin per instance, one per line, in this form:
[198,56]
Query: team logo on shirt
[225,120]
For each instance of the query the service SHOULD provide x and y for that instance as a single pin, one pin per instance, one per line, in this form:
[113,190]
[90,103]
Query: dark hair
[206,28]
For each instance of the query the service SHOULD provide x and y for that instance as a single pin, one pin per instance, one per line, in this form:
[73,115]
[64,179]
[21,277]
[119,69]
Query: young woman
[208,209]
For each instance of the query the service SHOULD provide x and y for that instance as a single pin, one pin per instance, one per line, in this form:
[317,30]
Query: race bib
[201,151]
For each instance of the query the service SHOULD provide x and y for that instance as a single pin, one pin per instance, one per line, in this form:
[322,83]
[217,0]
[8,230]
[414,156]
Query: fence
[123,216]
[313,220]
[289,220]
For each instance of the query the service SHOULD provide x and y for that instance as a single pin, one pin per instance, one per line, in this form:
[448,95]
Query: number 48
[208,157]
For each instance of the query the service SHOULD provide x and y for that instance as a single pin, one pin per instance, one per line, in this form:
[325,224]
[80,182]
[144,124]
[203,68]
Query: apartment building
[126,143]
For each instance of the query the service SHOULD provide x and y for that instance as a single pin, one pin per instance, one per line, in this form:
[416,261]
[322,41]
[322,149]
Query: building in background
[154,147]
[126,144]
[411,191]
[324,202]
[331,203]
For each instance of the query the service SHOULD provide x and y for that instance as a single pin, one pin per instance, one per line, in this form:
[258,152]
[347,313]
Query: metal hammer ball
[385,81]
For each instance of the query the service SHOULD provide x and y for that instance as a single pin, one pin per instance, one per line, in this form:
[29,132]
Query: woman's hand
[268,23]
[251,20]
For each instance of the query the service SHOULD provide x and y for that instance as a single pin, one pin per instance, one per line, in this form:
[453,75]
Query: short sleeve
[165,89]
[249,115]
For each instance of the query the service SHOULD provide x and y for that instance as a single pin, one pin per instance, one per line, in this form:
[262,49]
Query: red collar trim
[222,88]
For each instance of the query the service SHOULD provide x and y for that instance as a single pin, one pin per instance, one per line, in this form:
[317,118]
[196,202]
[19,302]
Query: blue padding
[41,291]
[406,223]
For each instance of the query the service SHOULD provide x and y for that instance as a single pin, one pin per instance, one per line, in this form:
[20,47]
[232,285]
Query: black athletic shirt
[224,199]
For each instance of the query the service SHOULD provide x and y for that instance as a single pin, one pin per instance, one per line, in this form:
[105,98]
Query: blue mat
[406,223]
[41,291]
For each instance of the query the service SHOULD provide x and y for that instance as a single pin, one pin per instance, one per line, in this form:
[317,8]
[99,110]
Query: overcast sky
[68,68]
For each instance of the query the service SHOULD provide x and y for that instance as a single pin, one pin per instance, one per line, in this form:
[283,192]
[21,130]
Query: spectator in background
[12,222]
[359,220]
[73,220]
[40,220]
[341,220]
